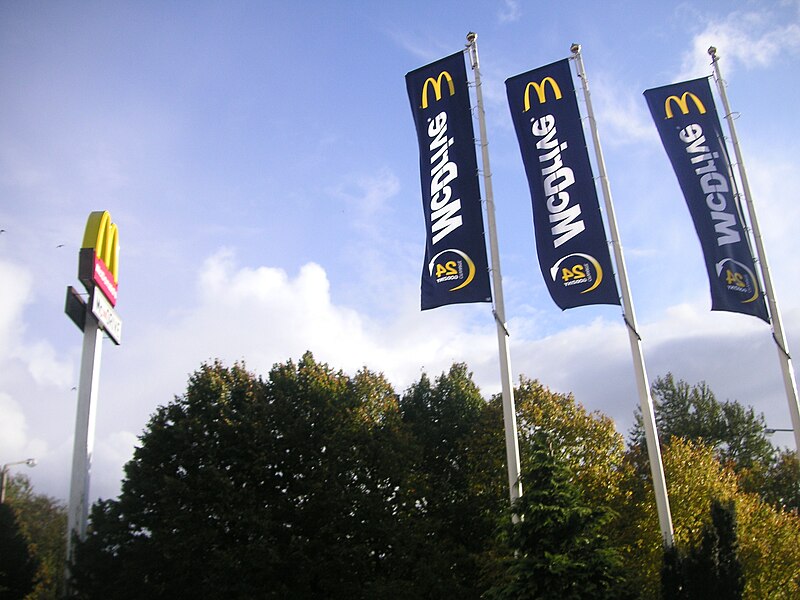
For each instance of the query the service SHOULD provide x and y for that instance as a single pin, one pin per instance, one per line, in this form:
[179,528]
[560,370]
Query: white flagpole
[648,416]
[774,312]
[509,411]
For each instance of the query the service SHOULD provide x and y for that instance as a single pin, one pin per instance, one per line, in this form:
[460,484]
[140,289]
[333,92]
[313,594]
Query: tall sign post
[628,315]
[98,270]
[506,381]
[456,268]
[778,333]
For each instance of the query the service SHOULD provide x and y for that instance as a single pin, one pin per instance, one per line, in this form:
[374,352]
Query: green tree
[43,522]
[587,443]
[241,488]
[722,541]
[768,537]
[709,569]
[306,484]
[737,435]
[558,543]
[693,413]
[780,485]
[17,565]
[458,474]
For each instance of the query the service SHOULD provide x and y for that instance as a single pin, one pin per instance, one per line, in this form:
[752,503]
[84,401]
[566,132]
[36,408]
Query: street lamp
[31,462]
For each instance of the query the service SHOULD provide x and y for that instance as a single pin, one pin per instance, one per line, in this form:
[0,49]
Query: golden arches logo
[437,87]
[103,236]
[540,89]
[683,104]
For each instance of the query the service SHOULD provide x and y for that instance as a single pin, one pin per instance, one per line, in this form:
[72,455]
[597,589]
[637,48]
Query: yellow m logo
[102,235]
[540,91]
[683,104]
[437,87]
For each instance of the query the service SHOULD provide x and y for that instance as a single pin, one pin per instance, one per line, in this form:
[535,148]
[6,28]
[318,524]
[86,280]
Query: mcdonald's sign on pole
[98,270]
[99,257]
[455,268]
[570,238]
[687,121]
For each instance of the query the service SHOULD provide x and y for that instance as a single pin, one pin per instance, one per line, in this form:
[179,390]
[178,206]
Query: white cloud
[366,198]
[38,357]
[424,48]
[746,40]
[12,427]
[111,453]
[621,114]
[12,277]
[775,184]
[43,364]
[25,367]
[510,11]
[15,443]
[264,315]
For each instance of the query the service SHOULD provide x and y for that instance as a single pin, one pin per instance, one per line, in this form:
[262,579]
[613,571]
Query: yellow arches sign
[99,256]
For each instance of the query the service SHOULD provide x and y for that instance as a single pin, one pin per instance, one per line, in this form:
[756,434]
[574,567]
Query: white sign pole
[507,384]
[778,333]
[645,400]
[78,510]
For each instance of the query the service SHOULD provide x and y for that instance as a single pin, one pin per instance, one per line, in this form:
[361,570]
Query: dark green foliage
[738,436]
[709,568]
[313,484]
[693,413]
[248,488]
[779,482]
[17,566]
[723,544]
[43,522]
[310,484]
[672,575]
[558,547]
[458,474]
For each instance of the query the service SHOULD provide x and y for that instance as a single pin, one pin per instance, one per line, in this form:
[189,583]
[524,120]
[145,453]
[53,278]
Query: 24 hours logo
[454,266]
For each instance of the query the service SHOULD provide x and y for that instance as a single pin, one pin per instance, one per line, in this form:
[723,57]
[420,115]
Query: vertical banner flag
[687,121]
[456,270]
[570,238]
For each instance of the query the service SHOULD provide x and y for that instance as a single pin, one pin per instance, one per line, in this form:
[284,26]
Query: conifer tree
[558,548]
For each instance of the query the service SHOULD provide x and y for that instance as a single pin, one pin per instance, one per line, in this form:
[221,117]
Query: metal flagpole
[509,412]
[648,417]
[775,314]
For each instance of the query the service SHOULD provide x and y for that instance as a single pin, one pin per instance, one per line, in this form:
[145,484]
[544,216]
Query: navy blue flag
[687,122]
[570,238]
[455,270]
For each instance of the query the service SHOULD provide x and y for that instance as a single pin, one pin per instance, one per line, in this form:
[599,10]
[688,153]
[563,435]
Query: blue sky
[260,161]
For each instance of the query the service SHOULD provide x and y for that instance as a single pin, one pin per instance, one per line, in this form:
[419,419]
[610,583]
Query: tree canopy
[710,568]
[311,483]
[17,564]
[692,412]
[738,436]
[559,542]
[42,522]
[308,483]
